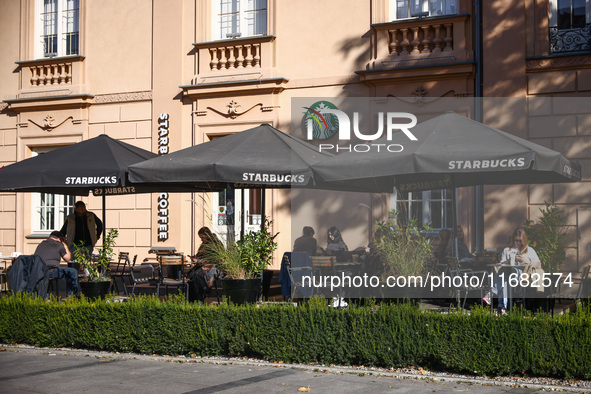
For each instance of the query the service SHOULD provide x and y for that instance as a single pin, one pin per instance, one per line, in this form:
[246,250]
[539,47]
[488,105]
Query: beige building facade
[73,69]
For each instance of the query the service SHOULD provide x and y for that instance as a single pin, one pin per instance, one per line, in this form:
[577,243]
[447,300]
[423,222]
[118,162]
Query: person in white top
[523,255]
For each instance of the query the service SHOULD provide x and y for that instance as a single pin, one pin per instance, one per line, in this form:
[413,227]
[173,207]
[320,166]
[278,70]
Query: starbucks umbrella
[98,164]
[261,157]
[450,151]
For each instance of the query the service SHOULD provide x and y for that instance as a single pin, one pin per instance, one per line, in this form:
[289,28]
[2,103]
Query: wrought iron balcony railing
[574,39]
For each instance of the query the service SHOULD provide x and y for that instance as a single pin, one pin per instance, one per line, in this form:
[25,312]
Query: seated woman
[524,255]
[205,271]
[335,243]
[464,254]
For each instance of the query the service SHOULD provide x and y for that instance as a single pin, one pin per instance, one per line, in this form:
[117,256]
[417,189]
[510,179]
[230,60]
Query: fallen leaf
[304,389]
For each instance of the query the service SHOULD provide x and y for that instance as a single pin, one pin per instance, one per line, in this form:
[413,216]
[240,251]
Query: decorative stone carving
[49,123]
[233,110]
[122,97]
[546,63]
[419,96]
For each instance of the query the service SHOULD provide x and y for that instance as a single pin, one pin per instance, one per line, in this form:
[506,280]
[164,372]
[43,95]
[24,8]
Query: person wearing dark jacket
[29,274]
[82,225]
[307,242]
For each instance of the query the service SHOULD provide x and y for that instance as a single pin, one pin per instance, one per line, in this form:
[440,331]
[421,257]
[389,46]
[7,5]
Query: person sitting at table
[335,243]
[202,275]
[442,250]
[307,242]
[372,261]
[464,255]
[524,254]
[51,251]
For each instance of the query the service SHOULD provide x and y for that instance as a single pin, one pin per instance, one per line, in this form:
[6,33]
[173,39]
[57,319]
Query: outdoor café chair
[171,273]
[121,271]
[576,293]
[299,265]
[141,274]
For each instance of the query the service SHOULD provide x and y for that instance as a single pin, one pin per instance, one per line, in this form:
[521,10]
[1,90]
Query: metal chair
[299,265]
[171,273]
[3,281]
[472,281]
[579,284]
[120,271]
[141,274]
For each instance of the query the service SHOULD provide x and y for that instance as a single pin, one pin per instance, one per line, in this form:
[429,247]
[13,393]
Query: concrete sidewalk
[25,369]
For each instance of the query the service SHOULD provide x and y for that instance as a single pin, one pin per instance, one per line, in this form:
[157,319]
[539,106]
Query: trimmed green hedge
[388,335]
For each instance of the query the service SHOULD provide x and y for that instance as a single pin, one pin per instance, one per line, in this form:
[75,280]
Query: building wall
[141,59]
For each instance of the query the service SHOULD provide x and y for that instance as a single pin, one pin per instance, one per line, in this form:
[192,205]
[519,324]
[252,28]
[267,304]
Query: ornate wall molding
[420,98]
[557,62]
[234,111]
[49,123]
[3,106]
[123,97]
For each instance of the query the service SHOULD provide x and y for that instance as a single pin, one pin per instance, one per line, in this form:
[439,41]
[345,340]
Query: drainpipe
[478,89]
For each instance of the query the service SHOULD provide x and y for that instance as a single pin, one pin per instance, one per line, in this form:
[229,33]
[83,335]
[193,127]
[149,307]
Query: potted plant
[549,236]
[243,262]
[404,250]
[97,283]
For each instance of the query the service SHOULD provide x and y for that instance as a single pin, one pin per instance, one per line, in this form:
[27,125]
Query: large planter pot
[94,290]
[267,278]
[242,291]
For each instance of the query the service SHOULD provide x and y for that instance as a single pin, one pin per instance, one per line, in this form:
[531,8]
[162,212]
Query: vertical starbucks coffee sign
[163,128]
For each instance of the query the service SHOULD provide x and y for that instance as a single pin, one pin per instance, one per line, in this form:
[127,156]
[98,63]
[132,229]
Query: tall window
[58,28]
[403,9]
[239,18]
[569,13]
[570,25]
[433,208]
[49,211]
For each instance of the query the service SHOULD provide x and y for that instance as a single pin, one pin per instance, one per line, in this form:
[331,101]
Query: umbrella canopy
[261,157]
[97,163]
[450,151]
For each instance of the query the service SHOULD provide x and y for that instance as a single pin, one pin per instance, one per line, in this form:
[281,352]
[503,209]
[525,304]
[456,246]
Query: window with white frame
[570,25]
[404,9]
[57,28]
[433,207]
[239,18]
[48,210]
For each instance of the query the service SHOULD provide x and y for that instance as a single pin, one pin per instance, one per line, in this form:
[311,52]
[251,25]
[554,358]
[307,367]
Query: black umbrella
[98,164]
[450,151]
[261,157]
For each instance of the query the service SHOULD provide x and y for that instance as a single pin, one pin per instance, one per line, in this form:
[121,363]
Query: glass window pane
[229,17]
[256,17]
[436,214]
[414,8]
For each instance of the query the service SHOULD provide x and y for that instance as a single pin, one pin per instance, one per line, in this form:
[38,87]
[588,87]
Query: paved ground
[33,370]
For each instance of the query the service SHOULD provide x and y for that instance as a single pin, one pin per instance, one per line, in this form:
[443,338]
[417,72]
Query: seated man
[52,250]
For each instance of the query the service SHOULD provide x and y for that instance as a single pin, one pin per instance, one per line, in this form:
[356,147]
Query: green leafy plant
[549,236]
[403,247]
[245,259]
[97,268]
